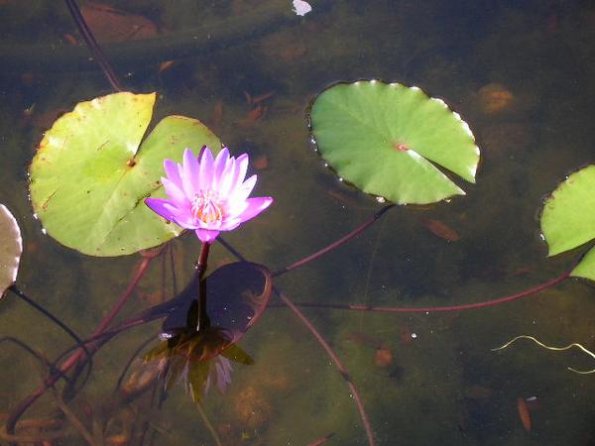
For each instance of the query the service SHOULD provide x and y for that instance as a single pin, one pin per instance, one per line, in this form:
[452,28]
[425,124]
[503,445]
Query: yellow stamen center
[206,208]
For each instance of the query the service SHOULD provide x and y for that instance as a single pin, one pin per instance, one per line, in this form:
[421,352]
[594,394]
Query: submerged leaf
[236,354]
[387,139]
[568,218]
[91,173]
[11,248]
[198,358]
[237,295]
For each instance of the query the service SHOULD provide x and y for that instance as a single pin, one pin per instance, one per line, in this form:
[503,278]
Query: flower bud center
[205,207]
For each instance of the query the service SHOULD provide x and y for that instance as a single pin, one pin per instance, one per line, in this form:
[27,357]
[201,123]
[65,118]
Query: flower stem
[16,290]
[346,238]
[94,47]
[447,308]
[202,320]
[80,353]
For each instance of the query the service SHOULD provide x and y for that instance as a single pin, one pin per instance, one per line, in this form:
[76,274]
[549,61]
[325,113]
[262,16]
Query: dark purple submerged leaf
[237,295]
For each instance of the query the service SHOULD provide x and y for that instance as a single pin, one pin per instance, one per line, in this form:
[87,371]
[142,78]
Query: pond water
[521,76]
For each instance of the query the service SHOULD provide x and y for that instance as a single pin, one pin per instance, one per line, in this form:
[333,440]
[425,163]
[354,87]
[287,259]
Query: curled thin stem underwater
[338,364]
[75,358]
[42,359]
[21,294]
[75,421]
[319,338]
[556,349]
[208,424]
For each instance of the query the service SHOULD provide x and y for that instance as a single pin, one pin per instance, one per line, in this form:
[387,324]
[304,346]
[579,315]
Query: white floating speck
[381,199]
[301,8]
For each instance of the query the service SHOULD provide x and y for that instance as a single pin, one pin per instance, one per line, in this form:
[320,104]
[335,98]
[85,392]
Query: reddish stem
[76,356]
[338,363]
[325,345]
[472,306]
[202,320]
[346,238]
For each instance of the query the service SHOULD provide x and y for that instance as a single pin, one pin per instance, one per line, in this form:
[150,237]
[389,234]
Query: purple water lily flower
[208,195]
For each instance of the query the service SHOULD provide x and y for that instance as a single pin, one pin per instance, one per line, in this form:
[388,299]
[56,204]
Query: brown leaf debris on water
[114,25]
[440,229]
[495,98]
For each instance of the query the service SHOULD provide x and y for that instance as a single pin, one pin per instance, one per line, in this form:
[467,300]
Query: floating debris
[440,229]
[524,414]
[495,98]
[556,349]
[301,7]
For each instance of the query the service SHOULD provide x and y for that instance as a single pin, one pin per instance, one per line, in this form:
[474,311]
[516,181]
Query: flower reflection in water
[199,360]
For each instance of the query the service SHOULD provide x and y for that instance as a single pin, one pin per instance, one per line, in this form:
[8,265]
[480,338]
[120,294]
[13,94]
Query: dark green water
[521,76]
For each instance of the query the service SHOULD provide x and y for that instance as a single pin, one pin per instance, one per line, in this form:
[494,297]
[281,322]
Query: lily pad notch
[95,166]
[391,141]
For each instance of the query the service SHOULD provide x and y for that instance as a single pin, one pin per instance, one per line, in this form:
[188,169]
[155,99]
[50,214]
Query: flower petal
[205,172]
[189,173]
[255,206]
[172,171]
[163,207]
[241,168]
[242,192]
[219,167]
[206,235]
[185,219]
[226,177]
[182,216]
[173,191]
[230,224]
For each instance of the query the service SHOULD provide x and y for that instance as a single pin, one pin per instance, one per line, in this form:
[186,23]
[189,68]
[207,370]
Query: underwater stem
[346,238]
[471,306]
[48,314]
[335,359]
[76,356]
[94,47]
[325,345]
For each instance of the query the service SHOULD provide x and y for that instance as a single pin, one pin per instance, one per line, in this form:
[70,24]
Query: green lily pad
[11,248]
[91,173]
[387,140]
[568,218]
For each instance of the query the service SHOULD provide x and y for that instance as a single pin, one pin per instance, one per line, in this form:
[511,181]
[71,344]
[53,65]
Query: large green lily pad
[91,173]
[568,218]
[388,139]
[11,248]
